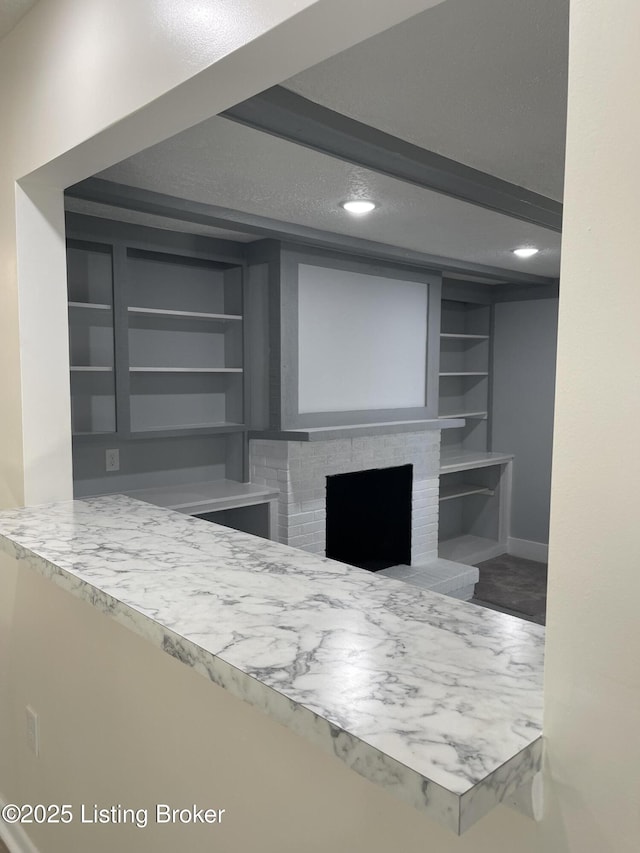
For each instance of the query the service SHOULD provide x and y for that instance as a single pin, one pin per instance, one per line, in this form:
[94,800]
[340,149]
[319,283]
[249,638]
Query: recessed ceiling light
[358,206]
[525,252]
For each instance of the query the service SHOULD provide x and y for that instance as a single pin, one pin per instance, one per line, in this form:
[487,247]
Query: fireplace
[369,517]
[301,471]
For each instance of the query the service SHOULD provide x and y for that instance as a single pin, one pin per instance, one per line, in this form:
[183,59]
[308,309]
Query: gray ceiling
[480,81]
[233,166]
[483,82]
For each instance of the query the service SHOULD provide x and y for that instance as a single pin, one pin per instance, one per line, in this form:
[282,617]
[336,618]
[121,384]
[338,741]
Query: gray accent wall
[524,363]
[148,463]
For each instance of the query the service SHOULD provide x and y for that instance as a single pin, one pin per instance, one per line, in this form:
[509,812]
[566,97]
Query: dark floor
[513,585]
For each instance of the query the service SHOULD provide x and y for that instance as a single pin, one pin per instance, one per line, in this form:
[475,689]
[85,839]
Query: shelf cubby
[471,526]
[93,401]
[89,274]
[91,339]
[185,400]
[177,283]
[462,320]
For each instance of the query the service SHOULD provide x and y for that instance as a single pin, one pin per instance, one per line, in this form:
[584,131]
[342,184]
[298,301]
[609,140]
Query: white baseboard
[538,551]
[14,836]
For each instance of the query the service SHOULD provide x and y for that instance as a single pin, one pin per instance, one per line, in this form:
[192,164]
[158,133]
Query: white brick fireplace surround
[298,469]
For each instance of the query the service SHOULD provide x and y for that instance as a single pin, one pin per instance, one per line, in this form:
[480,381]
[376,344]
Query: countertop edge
[500,784]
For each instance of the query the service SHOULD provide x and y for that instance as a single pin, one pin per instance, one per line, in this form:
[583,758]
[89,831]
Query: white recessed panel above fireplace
[362,341]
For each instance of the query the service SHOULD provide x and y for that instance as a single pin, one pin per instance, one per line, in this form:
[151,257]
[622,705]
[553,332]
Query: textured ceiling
[229,165]
[480,81]
[10,13]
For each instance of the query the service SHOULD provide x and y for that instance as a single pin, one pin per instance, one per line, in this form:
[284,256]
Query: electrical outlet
[112,460]
[33,735]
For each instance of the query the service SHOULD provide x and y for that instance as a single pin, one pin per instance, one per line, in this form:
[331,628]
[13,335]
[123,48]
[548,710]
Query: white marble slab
[437,700]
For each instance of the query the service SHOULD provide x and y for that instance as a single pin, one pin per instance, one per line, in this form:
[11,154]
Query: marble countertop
[437,700]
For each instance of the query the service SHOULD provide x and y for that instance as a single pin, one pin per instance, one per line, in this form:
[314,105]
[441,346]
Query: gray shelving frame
[122,241]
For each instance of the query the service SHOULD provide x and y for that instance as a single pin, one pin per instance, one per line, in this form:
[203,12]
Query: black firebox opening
[369,517]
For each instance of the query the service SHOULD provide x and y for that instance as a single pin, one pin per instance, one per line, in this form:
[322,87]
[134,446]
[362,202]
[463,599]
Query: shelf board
[467,373]
[461,490]
[97,434]
[90,369]
[470,549]
[90,306]
[185,370]
[200,498]
[185,315]
[188,430]
[457,337]
[472,415]
[465,460]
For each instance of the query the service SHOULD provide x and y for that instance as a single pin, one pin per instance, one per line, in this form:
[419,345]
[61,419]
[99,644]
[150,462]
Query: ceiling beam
[158,204]
[289,116]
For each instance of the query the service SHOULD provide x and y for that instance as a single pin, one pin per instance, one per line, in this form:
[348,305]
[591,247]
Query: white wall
[524,364]
[592,690]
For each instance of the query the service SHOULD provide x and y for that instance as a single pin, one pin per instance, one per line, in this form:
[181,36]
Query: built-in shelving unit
[464,372]
[474,483]
[157,357]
